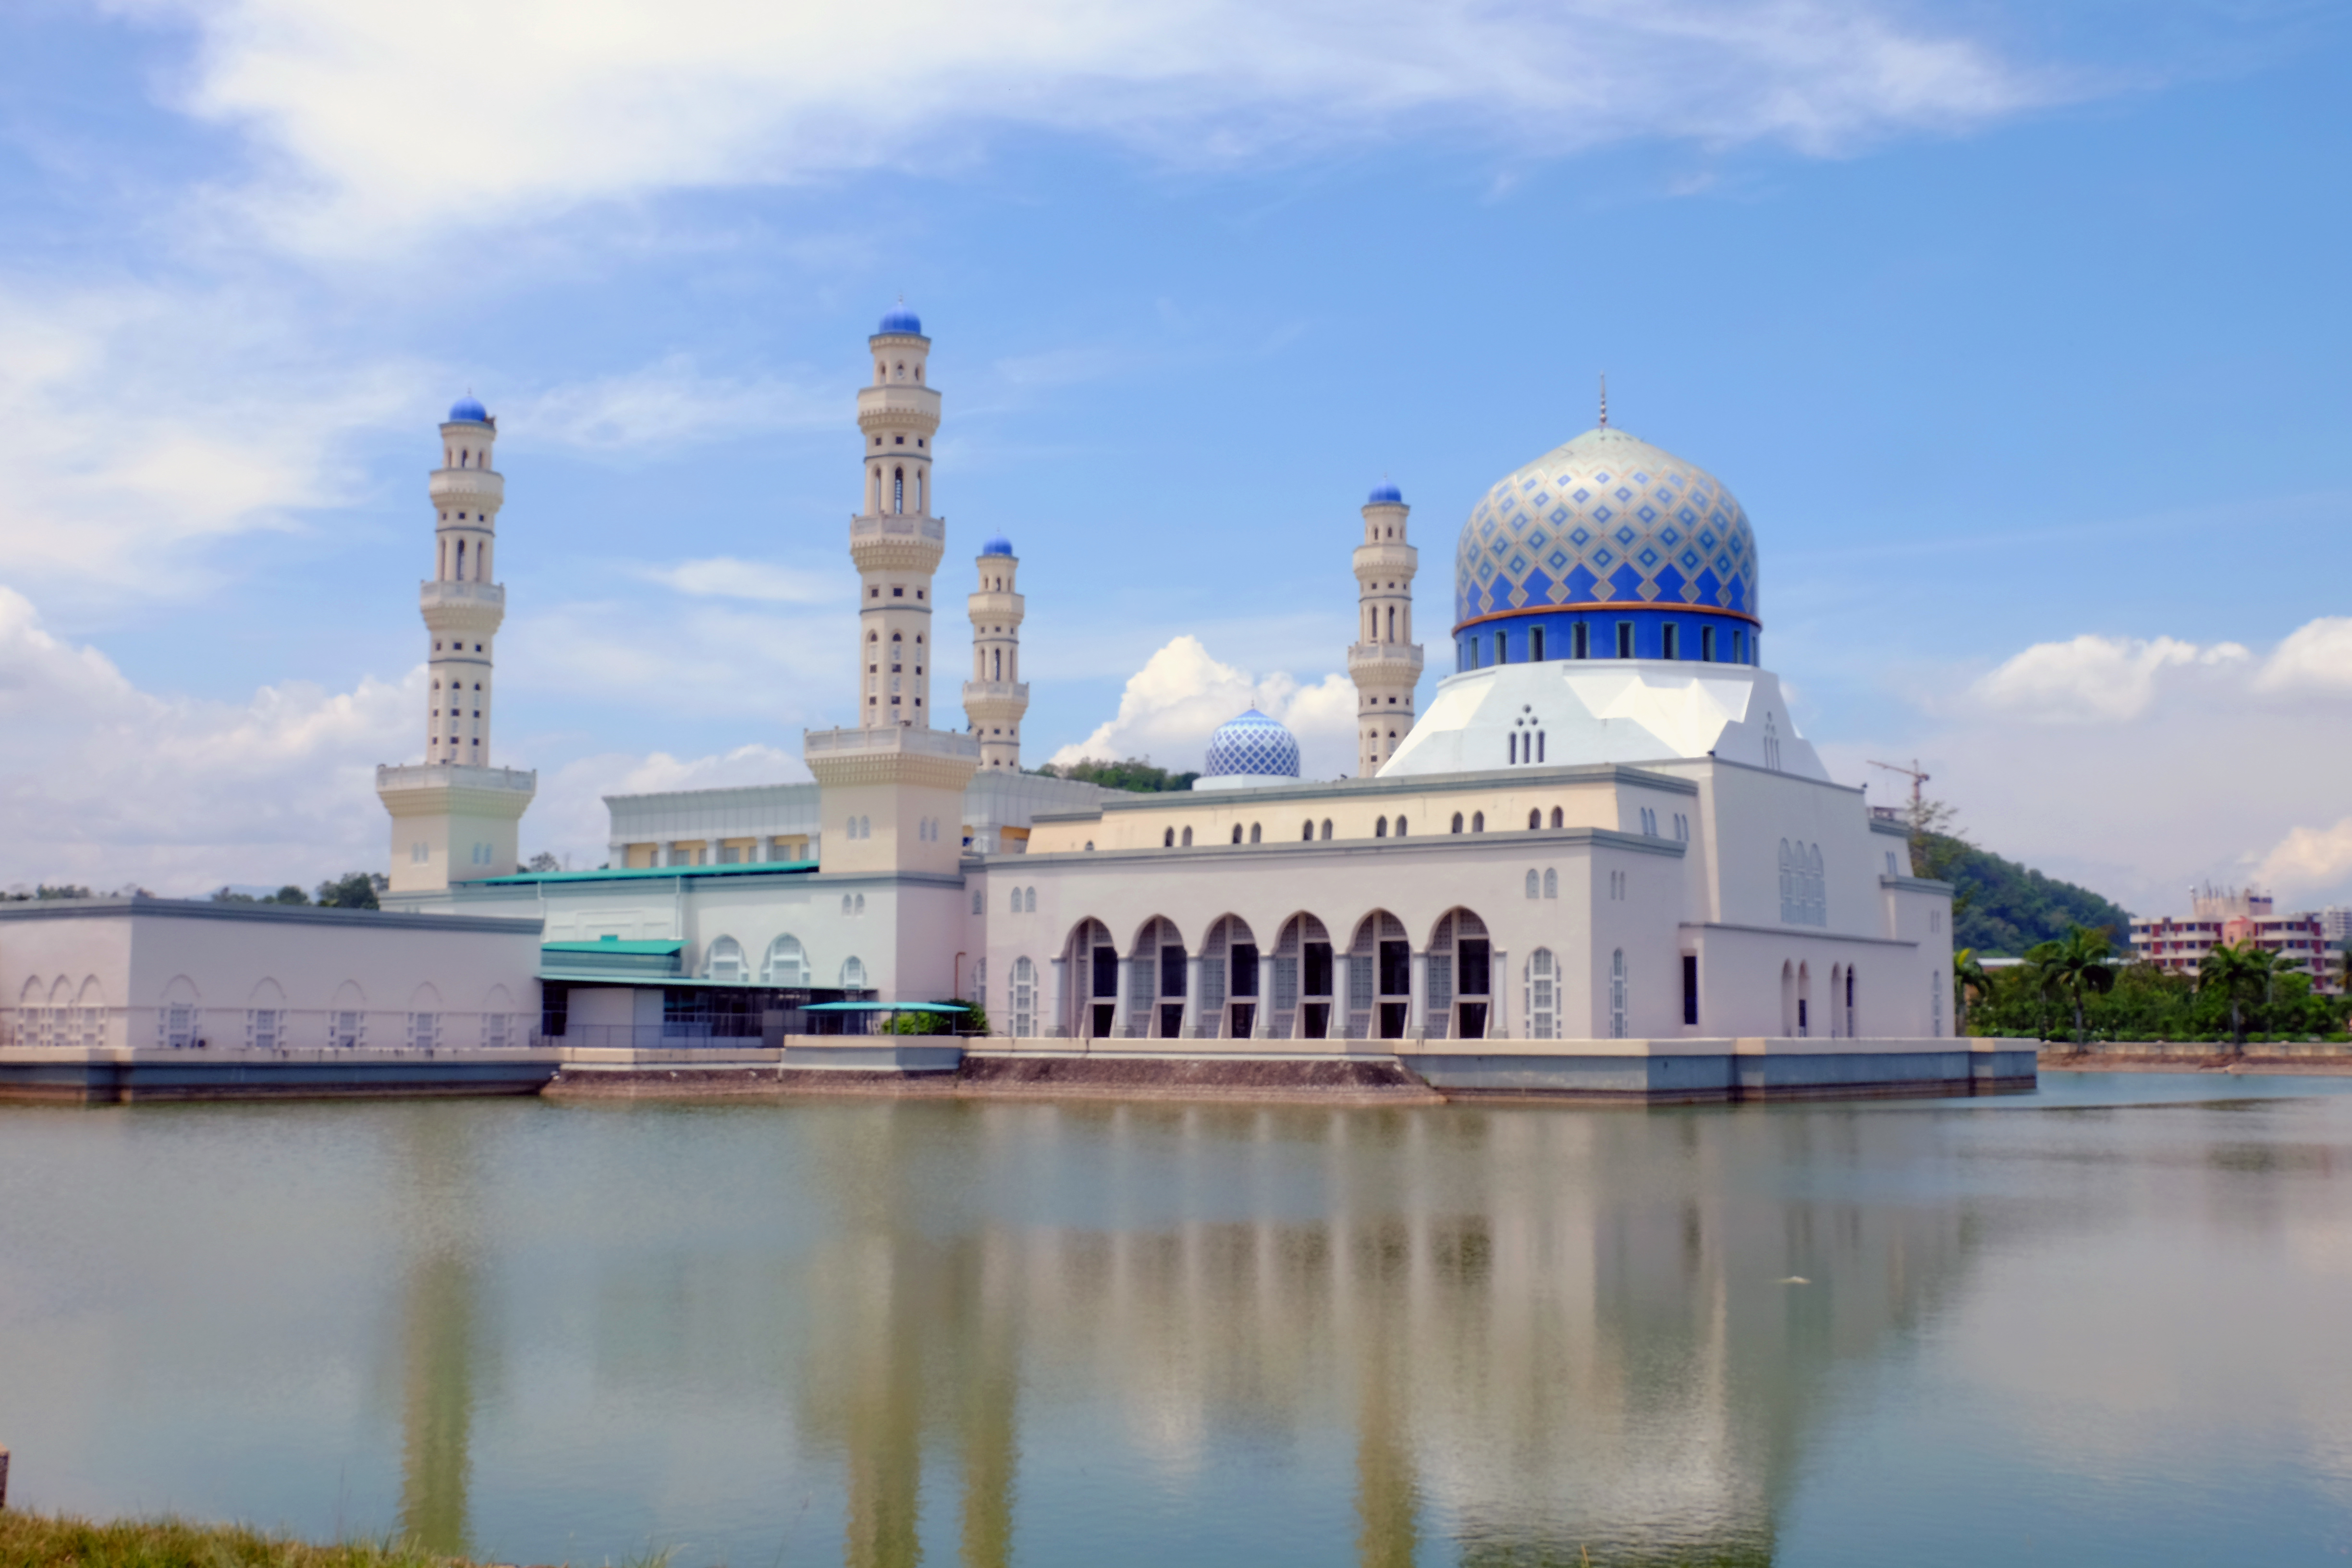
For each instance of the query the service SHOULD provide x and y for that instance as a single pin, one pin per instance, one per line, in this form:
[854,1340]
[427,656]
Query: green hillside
[2002,908]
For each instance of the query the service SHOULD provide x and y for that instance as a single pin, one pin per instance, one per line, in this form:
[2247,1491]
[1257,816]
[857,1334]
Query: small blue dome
[1000,545]
[902,320]
[1252,746]
[1385,494]
[467,411]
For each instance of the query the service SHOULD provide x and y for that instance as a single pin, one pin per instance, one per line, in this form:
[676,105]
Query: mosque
[1606,827]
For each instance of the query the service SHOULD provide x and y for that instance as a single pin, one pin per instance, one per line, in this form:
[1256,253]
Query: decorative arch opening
[1157,971]
[723,960]
[1460,971]
[1092,962]
[1379,978]
[1301,985]
[1228,981]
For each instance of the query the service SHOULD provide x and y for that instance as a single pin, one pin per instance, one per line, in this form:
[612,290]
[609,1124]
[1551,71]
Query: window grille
[1543,996]
[1024,998]
[345,1032]
[264,1032]
[179,1026]
[1617,995]
[423,1031]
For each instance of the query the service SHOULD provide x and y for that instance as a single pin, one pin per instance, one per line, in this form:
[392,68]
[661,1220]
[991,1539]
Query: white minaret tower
[891,785]
[1385,661]
[895,541]
[995,697]
[455,819]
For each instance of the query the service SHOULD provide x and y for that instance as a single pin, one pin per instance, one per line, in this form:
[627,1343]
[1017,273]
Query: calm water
[2111,1324]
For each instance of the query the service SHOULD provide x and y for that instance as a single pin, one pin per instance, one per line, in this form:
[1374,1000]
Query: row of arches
[1372,981]
[786,965]
[64,1012]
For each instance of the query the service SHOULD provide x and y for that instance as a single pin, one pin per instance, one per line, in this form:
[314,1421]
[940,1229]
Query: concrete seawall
[1622,1072]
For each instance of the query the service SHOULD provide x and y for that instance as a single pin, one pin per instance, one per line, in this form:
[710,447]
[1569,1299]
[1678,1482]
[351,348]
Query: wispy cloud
[374,118]
[724,577]
[667,404]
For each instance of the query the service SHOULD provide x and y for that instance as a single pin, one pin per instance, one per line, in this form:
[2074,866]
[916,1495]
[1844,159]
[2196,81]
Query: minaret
[455,818]
[895,541]
[995,697]
[1385,661]
[891,787]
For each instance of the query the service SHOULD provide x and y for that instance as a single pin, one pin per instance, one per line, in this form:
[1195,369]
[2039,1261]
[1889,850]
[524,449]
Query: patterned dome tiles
[1606,520]
[1252,745]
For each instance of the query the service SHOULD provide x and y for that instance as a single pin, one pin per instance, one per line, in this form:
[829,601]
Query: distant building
[2225,917]
[2335,924]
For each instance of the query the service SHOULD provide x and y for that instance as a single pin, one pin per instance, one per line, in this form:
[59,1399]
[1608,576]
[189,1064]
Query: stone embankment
[1326,1081]
[2320,1058]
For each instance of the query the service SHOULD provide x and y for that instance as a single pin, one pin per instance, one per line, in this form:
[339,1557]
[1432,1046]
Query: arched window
[1535,820]
[1534,885]
[860,907]
[1543,995]
[1237,833]
[1307,831]
[1556,817]
[1400,827]
[1029,902]
[1851,1032]
[1380,828]
[1551,883]
[1804,1000]
[1326,827]
[1617,995]
[898,490]
[853,974]
[1256,831]
[1025,999]
[1477,821]
[1168,838]
[1016,900]
[1188,838]
[724,960]
[1936,985]
[461,561]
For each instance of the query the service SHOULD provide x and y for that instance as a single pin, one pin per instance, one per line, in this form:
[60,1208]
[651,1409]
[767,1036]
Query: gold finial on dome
[1604,400]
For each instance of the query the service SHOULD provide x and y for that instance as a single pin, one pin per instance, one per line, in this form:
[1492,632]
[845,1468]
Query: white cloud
[141,425]
[1181,695]
[2309,861]
[768,669]
[2094,678]
[107,783]
[724,577]
[390,117]
[2314,658]
[2139,767]
[664,406]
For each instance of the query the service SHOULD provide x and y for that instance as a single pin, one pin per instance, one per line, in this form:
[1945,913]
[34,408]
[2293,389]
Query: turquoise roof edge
[613,945]
[792,868]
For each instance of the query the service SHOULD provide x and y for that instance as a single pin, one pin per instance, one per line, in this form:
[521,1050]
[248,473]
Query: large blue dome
[467,411]
[1385,494]
[1000,545]
[1606,523]
[902,320]
[1252,746]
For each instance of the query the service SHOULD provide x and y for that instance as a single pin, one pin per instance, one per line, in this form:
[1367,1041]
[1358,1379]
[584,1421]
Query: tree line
[2077,989]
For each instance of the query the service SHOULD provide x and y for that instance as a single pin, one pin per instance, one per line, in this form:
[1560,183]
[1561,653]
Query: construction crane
[1917,778]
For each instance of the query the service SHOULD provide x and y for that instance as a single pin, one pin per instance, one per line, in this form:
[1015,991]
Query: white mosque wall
[156,973]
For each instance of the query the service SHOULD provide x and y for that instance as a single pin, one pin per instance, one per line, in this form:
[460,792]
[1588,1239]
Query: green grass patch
[61,1541]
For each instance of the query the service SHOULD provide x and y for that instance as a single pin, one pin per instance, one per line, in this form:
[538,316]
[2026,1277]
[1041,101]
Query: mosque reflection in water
[1537,1334]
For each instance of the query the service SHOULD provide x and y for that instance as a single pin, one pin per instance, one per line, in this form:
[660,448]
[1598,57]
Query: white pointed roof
[1607,711]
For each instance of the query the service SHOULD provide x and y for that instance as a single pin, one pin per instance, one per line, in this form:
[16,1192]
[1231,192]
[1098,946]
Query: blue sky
[2019,335]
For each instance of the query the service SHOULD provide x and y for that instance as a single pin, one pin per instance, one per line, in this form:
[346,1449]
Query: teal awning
[613,945]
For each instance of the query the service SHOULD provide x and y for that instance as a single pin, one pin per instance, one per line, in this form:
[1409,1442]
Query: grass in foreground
[55,1541]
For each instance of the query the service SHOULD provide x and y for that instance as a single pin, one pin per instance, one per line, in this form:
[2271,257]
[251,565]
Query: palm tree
[2072,963]
[1971,982]
[2238,972]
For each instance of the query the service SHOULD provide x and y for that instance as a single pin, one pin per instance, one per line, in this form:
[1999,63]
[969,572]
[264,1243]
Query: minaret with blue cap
[457,817]
[891,785]
[996,697]
[1385,661]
